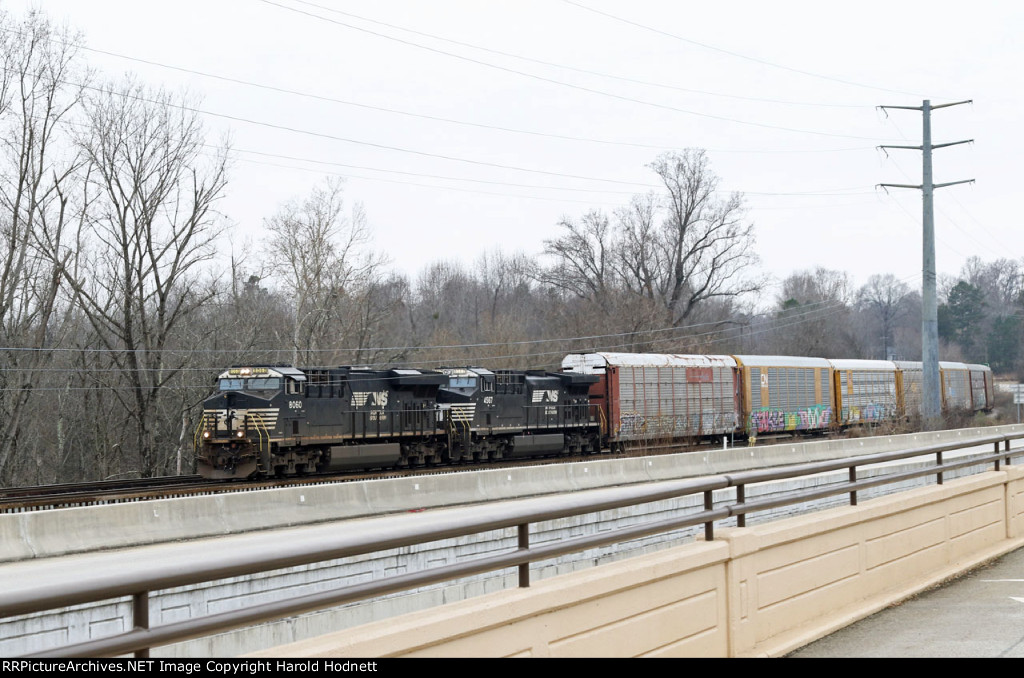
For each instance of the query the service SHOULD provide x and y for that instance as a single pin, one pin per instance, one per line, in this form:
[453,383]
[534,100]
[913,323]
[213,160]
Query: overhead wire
[842,192]
[387,348]
[823,309]
[756,193]
[576,69]
[333,137]
[256,122]
[738,55]
[571,85]
[805,315]
[435,118]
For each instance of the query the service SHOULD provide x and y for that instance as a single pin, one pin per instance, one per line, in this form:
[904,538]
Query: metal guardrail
[93,587]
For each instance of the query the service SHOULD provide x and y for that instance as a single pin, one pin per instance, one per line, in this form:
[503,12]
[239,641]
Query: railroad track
[67,495]
[70,495]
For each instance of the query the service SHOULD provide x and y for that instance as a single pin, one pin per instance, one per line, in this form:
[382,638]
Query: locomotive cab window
[293,387]
[462,382]
[268,384]
[257,384]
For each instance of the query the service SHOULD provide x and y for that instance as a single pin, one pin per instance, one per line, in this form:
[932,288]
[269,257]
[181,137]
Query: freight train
[650,397]
[281,420]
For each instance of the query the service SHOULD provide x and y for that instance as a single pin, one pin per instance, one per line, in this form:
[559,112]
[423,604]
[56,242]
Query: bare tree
[37,178]
[507,281]
[668,260]
[584,259]
[329,271]
[813,316]
[1001,281]
[640,261]
[884,297]
[705,246]
[149,227]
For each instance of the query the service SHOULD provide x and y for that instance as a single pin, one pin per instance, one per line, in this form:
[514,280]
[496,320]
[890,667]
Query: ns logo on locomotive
[281,420]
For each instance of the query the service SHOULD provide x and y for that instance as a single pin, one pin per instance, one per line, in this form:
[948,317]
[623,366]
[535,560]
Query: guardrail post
[709,527]
[996,451]
[938,460]
[1006,448]
[524,545]
[741,496]
[140,617]
[853,479]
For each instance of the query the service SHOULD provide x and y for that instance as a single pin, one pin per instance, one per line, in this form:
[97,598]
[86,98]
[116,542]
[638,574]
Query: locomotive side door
[295,406]
[487,400]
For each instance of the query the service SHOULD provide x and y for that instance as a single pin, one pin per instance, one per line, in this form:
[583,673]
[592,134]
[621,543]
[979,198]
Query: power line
[383,109]
[738,55]
[832,308]
[378,348]
[574,68]
[322,135]
[566,84]
[850,191]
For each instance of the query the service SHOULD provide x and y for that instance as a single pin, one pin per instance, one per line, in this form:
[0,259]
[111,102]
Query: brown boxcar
[648,396]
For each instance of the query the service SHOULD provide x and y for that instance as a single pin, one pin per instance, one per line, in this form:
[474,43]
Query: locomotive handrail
[199,430]
[602,420]
[326,542]
[261,429]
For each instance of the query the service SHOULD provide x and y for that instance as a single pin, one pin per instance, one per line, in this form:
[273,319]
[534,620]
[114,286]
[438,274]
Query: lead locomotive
[280,420]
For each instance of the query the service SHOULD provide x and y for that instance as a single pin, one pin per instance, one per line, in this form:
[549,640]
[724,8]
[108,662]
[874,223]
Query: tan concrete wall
[795,580]
[758,591]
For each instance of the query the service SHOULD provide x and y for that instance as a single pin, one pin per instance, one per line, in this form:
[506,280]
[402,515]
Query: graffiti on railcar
[813,417]
[871,412]
[635,424]
[632,422]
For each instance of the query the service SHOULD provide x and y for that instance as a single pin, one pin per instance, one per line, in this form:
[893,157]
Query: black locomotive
[280,420]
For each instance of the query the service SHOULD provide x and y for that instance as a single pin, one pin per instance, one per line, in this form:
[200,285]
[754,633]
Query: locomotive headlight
[206,435]
[240,434]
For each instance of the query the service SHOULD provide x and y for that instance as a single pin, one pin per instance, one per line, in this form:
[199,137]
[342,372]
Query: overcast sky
[468,126]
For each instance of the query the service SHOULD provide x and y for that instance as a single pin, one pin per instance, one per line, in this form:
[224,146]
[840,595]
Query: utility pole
[931,401]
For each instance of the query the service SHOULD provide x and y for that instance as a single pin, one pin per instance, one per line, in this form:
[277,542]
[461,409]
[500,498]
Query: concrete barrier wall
[759,591]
